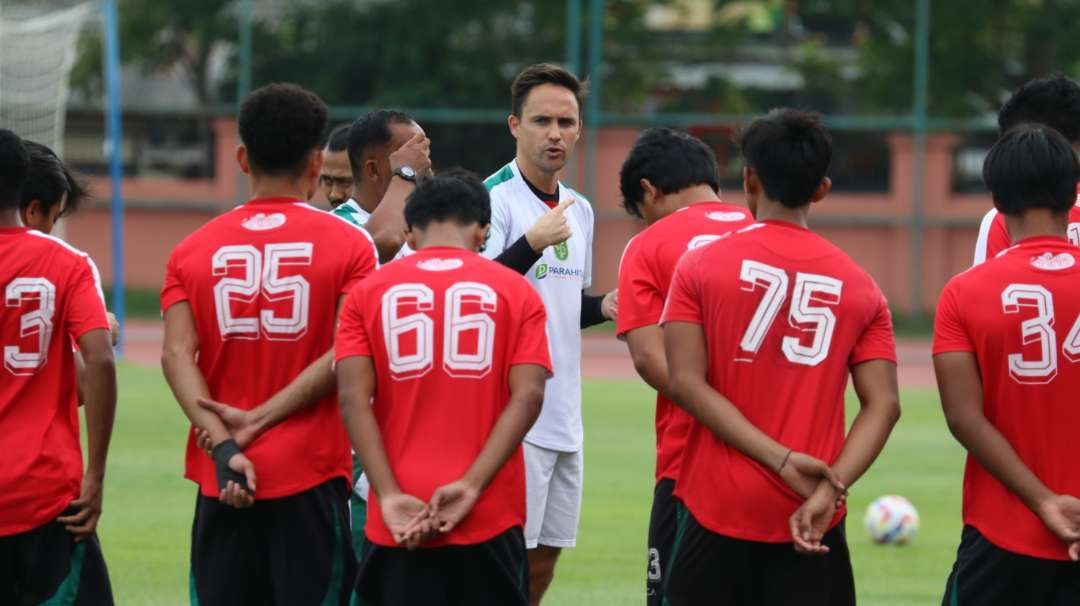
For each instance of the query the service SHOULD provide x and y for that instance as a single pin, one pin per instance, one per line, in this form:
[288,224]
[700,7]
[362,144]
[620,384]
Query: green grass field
[148,505]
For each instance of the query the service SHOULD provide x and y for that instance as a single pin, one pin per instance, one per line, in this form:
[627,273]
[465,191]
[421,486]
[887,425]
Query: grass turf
[148,505]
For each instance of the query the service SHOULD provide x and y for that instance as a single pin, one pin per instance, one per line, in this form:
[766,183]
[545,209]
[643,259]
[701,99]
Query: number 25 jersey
[786,314]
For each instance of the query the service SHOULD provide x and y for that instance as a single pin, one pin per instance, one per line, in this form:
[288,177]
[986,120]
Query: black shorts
[47,564]
[985,574]
[292,550]
[662,526]
[709,568]
[494,573]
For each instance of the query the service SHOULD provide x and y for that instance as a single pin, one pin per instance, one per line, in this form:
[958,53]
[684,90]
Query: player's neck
[544,181]
[276,187]
[367,197]
[686,197]
[9,217]
[767,210]
[1036,222]
[442,235]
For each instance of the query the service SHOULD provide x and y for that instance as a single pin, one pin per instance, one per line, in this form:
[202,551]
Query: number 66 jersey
[786,314]
[443,327]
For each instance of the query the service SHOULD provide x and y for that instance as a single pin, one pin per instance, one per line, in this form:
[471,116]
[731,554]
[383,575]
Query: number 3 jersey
[263,281]
[52,296]
[1019,313]
[443,327]
[786,314]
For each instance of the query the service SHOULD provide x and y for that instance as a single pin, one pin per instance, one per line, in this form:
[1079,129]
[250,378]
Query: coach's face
[548,128]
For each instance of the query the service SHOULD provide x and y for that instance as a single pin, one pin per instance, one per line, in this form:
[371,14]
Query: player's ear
[750,183]
[822,190]
[650,192]
[480,237]
[315,163]
[513,122]
[371,170]
[31,215]
[242,159]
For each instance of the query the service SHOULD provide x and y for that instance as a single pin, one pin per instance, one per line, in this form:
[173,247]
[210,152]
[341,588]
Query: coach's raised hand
[551,228]
[415,153]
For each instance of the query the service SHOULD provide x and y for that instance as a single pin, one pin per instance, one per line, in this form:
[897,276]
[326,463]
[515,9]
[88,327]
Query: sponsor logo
[726,217]
[440,264]
[263,222]
[562,251]
[541,271]
[558,271]
[1053,262]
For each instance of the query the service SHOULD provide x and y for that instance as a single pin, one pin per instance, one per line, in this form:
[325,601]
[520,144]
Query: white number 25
[261,275]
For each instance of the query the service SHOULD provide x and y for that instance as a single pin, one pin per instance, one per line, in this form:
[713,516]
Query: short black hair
[48,180]
[545,73]
[1032,166]
[14,166]
[280,125]
[338,139]
[370,130]
[671,160]
[790,150]
[1053,101]
[455,195]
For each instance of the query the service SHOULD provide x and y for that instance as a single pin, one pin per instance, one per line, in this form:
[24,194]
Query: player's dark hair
[1053,101]
[545,73]
[371,130]
[338,139]
[456,195]
[790,151]
[671,160]
[14,166]
[280,125]
[48,180]
[1032,166]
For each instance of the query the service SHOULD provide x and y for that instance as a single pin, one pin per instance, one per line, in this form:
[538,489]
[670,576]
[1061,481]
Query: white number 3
[38,322]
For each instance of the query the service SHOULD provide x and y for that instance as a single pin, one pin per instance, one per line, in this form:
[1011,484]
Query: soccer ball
[891,519]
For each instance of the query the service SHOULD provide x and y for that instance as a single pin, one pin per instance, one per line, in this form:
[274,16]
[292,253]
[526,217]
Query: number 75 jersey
[443,327]
[786,314]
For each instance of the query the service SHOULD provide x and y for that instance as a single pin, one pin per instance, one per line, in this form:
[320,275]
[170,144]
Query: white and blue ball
[891,519]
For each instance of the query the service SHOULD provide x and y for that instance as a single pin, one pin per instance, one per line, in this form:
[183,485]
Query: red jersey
[443,327]
[1019,313]
[263,281]
[786,314]
[644,277]
[52,296]
[994,234]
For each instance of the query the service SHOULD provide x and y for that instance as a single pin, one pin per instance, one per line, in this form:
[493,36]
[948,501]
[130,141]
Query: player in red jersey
[671,180]
[761,329]
[1006,354]
[249,302]
[1054,102]
[454,349]
[50,506]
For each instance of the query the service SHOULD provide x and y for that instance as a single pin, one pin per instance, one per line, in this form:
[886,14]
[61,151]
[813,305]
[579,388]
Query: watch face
[408,171]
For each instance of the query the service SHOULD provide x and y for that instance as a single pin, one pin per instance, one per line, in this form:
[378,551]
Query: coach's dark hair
[49,180]
[338,139]
[1032,166]
[281,124]
[14,166]
[1053,101]
[456,195]
[545,73]
[671,160]
[370,130]
[790,151]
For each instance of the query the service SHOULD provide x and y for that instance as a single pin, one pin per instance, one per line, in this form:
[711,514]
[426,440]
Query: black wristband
[591,310]
[221,454]
[519,257]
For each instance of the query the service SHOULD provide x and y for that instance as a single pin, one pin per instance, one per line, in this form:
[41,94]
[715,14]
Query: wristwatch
[406,172]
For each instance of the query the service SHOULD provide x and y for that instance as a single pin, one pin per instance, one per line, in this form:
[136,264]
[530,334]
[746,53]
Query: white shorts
[553,486]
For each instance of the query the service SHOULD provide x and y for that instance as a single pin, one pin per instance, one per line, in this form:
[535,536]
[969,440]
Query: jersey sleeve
[877,341]
[532,345]
[684,297]
[499,229]
[949,332]
[363,260]
[352,337]
[174,290]
[993,237]
[641,299]
[85,307]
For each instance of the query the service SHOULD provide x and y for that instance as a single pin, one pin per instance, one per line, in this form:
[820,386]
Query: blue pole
[114,149]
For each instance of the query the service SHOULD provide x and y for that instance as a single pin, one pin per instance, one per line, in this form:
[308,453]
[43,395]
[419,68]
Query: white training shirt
[559,276]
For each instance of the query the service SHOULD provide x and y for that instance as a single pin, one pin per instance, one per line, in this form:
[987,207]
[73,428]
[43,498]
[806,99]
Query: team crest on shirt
[1053,262]
[541,271]
[562,251]
[263,222]
[440,264]
[726,217]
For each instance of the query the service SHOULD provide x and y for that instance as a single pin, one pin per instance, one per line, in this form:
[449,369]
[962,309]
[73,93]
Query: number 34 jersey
[263,281]
[1019,314]
[786,314]
[443,327]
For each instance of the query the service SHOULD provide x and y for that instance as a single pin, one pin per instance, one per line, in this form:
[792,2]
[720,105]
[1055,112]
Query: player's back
[785,314]
[443,327]
[263,282]
[1019,313]
[52,296]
